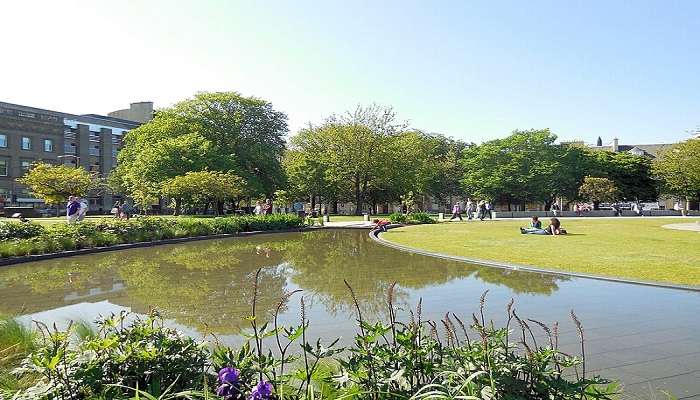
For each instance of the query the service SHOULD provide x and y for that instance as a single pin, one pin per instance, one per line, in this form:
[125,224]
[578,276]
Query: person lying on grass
[535,222]
[553,229]
[380,224]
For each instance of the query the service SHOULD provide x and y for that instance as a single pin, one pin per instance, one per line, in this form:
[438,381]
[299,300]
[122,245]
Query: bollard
[441,216]
[326,218]
[365,217]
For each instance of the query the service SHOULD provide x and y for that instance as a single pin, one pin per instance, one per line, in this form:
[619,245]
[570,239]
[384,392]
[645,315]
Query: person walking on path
[456,212]
[117,210]
[267,207]
[481,213]
[488,208]
[555,209]
[258,208]
[72,210]
[82,211]
[637,210]
[470,209]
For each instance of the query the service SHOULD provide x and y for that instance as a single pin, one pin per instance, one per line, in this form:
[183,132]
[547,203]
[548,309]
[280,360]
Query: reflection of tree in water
[521,282]
[324,259]
[210,282]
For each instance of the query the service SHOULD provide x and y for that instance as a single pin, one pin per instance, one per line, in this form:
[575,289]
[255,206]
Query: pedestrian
[481,213]
[637,210]
[456,212]
[488,208]
[555,209]
[116,210]
[267,207]
[470,209]
[83,208]
[258,208]
[72,209]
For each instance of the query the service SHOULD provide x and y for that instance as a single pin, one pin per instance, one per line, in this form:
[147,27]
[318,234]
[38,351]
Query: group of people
[479,210]
[535,227]
[76,209]
[122,210]
[263,208]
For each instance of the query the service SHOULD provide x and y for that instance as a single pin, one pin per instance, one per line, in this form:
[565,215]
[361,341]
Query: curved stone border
[528,268]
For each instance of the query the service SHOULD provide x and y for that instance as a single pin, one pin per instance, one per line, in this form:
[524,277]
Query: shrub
[107,232]
[420,218]
[143,354]
[19,230]
[397,218]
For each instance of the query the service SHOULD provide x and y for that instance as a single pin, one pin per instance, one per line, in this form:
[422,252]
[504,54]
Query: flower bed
[21,239]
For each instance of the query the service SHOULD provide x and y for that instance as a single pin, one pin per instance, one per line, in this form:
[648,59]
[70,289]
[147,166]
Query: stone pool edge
[126,246]
[528,268]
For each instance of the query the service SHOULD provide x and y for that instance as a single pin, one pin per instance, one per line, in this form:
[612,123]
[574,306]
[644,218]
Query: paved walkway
[690,226]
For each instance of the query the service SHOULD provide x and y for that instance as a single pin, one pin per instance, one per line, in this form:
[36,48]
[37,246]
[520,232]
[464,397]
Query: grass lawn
[636,248]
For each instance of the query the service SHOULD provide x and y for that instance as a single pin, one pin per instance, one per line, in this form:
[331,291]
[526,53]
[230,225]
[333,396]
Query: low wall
[592,213]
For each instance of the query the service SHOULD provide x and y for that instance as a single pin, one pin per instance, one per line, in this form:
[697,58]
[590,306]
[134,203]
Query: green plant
[19,230]
[420,218]
[398,218]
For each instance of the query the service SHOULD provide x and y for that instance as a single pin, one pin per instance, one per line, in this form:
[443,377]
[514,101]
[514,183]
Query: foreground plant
[416,359]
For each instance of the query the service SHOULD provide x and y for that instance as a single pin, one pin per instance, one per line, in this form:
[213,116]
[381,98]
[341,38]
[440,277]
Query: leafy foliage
[107,232]
[386,360]
[599,190]
[202,188]
[679,168]
[55,183]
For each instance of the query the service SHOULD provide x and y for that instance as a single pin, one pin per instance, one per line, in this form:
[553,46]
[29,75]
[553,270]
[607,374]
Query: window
[4,166]
[69,148]
[25,165]
[94,151]
[26,143]
[48,145]
[3,140]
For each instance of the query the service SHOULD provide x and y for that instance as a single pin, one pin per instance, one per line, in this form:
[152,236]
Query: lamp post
[77,159]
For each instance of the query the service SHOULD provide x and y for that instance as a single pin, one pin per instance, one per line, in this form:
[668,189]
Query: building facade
[29,135]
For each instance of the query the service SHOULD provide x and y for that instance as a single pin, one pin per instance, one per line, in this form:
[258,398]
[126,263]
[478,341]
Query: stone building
[29,134]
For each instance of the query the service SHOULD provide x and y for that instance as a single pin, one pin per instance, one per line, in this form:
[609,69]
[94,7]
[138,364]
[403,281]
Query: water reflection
[208,286]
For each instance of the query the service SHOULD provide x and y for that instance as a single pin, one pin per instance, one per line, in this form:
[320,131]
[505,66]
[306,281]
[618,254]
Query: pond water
[647,337]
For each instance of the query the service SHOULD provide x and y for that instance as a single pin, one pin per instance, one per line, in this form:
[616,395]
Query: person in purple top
[456,212]
[72,210]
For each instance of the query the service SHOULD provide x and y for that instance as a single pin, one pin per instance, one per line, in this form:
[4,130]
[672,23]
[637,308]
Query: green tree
[351,150]
[521,168]
[679,170]
[55,183]
[631,173]
[222,131]
[599,190]
[283,199]
[203,188]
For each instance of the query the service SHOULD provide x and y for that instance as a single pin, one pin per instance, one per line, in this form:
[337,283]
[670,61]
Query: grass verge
[632,248]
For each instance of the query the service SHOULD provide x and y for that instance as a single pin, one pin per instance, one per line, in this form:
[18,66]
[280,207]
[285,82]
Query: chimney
[599,142]
[616,145]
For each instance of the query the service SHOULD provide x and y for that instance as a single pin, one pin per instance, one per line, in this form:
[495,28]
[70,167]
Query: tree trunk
[358,197]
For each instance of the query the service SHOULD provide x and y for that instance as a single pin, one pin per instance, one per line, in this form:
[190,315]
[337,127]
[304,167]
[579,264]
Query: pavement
[690,226]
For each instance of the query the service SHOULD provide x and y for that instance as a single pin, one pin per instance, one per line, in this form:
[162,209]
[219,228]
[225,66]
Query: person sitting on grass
[553,229]
[535,222]
[380,224]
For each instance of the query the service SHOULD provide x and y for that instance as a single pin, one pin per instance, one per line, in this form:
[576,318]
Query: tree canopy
[599,190]
[679,169]
[222,131]
[55,183]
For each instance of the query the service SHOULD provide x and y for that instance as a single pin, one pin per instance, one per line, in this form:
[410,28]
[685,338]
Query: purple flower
[262,391]
[229,375]
[228,383]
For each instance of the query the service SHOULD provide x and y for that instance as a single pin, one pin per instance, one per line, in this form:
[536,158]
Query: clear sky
[471,70]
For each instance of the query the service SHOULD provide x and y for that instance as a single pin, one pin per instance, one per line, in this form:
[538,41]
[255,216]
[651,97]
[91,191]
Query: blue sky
[471,70]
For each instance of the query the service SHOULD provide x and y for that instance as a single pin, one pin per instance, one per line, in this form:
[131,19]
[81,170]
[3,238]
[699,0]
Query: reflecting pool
[647,337]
